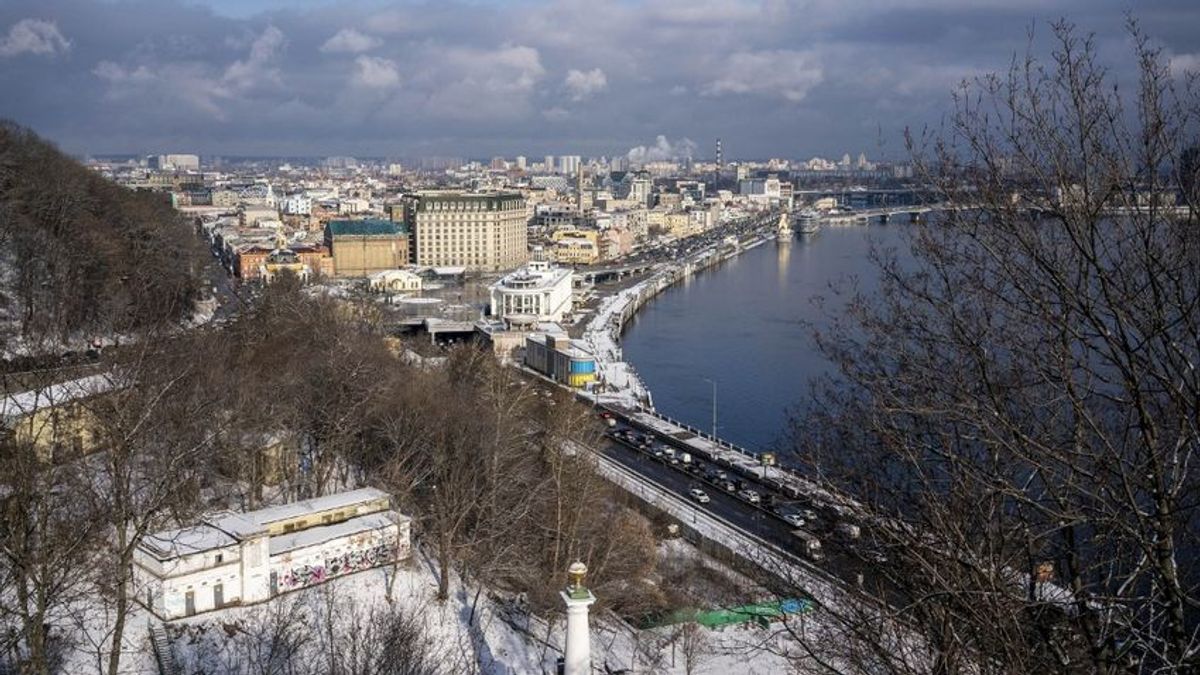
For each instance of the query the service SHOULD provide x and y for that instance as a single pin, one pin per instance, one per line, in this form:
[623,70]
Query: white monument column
[577,656]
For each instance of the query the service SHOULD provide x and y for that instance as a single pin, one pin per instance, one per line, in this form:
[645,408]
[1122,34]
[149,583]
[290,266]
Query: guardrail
[750,539]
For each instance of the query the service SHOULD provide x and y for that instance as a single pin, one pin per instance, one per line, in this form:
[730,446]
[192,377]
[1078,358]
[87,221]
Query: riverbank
[621,384]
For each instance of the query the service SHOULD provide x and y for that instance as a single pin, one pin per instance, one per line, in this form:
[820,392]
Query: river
[747,325]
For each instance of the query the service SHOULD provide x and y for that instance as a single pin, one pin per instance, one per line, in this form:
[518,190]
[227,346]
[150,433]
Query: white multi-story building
[537,292]
[569,164]
[237,559]
[297,205]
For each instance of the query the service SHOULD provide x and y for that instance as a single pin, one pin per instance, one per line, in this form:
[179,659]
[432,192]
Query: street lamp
[714,406]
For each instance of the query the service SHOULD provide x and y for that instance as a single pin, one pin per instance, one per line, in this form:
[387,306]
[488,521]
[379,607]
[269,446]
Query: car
[750,496]
[729,486]
[794,519]
[808,514]
[699,495]
[658,452]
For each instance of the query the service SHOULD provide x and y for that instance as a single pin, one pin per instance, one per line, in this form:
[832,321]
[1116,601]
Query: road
[852,561]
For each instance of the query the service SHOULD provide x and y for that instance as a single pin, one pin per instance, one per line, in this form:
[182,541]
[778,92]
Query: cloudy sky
[482,78]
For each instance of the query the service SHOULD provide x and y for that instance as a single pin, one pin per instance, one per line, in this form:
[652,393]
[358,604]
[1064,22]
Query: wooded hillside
[81,256]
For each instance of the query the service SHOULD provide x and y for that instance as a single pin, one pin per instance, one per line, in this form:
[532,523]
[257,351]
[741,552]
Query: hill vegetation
[81,256]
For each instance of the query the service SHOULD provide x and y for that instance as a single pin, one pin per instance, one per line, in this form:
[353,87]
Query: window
[218,558]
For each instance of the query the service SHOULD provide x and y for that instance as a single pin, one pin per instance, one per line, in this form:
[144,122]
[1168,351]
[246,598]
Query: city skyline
[266,78]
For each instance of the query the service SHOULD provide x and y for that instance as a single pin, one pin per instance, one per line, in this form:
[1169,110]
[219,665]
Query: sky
[771,78]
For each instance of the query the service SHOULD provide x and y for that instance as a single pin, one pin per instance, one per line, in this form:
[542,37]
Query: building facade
[560,358]
[362,247]
[576,247]
[479,231]
[234,559]
[57,421]
[535,293]
[395,281]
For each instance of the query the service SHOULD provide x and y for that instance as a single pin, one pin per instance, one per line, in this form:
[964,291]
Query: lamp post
[714,406]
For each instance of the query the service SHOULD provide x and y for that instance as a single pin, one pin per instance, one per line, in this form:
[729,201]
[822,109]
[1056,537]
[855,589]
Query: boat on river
[809,221]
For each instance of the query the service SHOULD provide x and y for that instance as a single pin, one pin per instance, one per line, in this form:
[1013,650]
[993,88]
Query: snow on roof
[26,402]
[326,503]
[319,535]
[186,541]
[235,524]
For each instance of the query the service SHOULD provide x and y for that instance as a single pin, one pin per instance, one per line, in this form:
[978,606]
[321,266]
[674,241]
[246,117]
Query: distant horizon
[401,158]
[771,78]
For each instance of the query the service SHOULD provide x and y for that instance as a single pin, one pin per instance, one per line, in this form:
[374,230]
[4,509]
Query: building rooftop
[532,276]
[226,528]
[319,535]
[365,227]
[186,541]
[328,502]
[26,402]
[572,348]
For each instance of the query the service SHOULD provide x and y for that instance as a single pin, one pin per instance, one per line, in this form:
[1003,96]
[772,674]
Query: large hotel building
[480,231]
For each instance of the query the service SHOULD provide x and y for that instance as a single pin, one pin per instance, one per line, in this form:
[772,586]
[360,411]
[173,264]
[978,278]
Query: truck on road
[810,544]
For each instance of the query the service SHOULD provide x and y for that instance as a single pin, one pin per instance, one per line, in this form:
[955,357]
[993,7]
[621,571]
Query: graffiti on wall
[333,566]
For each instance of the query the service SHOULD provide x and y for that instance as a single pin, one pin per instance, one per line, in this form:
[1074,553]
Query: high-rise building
[549,164]
[521,162]
[569,164]
[479,231]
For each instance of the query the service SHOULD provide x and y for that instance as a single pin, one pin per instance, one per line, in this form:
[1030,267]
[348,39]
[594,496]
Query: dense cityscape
[914,391]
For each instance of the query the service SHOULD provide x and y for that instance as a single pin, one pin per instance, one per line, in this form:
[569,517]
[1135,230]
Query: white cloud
[33,36]
[177,82]
[351,41]
[376,73]
[583,84]
[200,85]
[784,73]
[467,83]
[257,68]
[556,114]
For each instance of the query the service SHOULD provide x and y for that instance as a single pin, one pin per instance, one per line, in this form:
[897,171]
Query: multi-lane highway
[844,551]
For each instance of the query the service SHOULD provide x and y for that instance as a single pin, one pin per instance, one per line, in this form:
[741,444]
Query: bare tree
[1017,408]
[157,427]
[46,538]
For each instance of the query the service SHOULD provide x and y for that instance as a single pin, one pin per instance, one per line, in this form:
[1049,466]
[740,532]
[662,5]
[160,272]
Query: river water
[747,325]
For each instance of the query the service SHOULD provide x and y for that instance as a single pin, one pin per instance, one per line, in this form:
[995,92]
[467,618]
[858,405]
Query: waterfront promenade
[620,384]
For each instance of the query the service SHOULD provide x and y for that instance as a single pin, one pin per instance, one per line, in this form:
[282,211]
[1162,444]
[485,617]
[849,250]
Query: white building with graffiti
[242,558]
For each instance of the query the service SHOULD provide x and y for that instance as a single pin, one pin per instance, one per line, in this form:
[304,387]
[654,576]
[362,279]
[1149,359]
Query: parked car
[750,496]
[794,519]
[699,495]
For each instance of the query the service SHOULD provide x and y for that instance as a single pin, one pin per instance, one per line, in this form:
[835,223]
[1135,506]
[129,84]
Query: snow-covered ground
[499,638]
